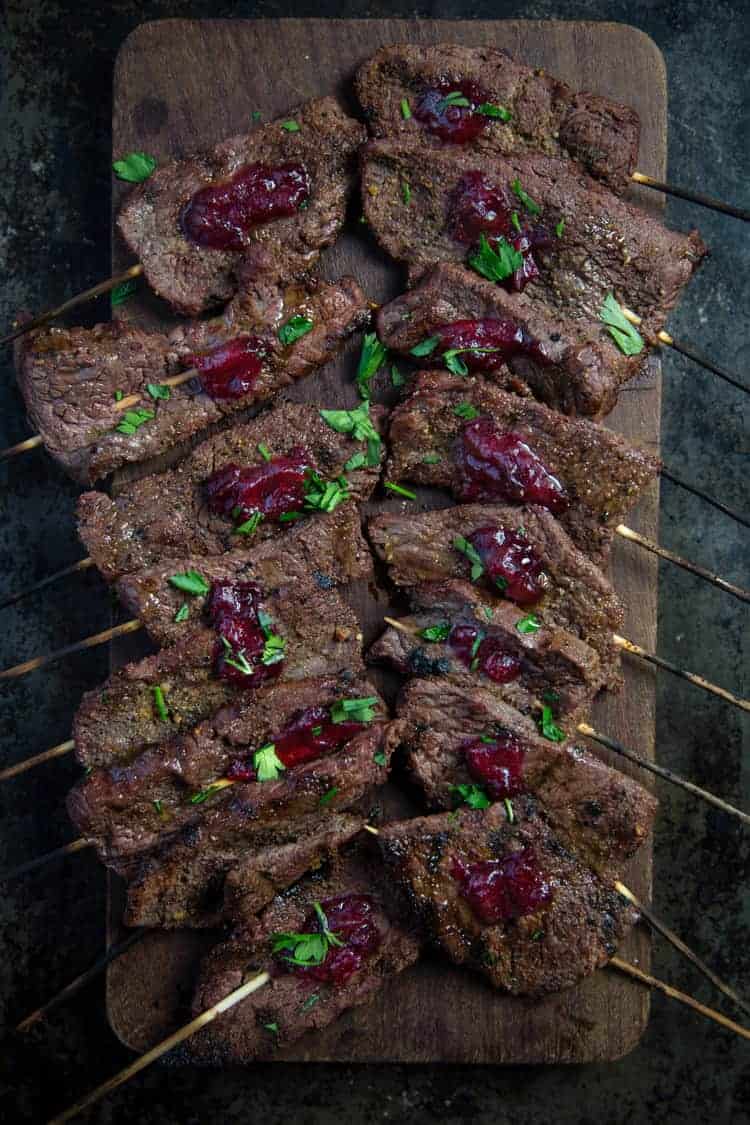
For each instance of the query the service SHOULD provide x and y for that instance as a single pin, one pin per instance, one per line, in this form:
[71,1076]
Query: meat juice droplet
[501,465]
[485,654]
[271,488]
[232,609]
[452,123]
[352,918]
[501,890]
[220,216]
[497,763]
[309,735]
[494,339]
[229,370]
[510,563]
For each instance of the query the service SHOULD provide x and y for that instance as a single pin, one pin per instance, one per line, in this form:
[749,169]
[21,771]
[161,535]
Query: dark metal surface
[55,74]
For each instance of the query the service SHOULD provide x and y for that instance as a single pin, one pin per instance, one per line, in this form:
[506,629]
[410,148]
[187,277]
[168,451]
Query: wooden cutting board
[183,85]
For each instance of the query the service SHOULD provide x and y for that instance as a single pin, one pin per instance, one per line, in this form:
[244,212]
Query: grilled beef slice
[546,115]
[420,548]
[71,378]
[193,278]
[287,1001]
[607,245]
[574,933]
[551,659]
[119,718]
[603,473]
[167,514]
[135,806]
[584,370]
[598,812]
[330,550]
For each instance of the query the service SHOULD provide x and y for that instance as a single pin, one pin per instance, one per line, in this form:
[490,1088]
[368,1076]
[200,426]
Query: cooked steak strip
[598,812]
[584,370]
[536,946]
[421,548]
[545,114]
[287,1001]
[132,807]
[606,245]
[202,884]
[330,550]
[548,659]
[119,719]
[194,278]
[167,513]
[602,473]
[72,378]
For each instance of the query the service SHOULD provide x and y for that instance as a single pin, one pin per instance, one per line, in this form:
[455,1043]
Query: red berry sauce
[456,124]
[502,338]
[229,370]
[311,734]
[510,563]
[485,654]
[271,488]
[220,216]
[352,918]
[500,890]
[497,465]
[233,610]
[497,763]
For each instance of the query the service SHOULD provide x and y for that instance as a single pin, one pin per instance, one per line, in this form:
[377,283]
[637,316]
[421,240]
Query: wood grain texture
[181,86]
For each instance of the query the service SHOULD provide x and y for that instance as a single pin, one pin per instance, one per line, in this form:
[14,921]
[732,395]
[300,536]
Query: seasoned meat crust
[192,278]
[598,812]
[71,378]
[606,244]
[118,719]
[240,1035]
[603,474]
[573,935]
[166,513]
[585,370]
[546,115]
[135,806]
[551,659]
[419,548]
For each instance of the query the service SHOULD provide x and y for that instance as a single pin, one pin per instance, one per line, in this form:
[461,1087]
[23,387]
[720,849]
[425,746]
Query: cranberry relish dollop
[496,762]
[497,465]
[272,489]
[348,935]
[510,563]
[220,216]
[483,653]
[501,890]
[229,370]
[485,344]
[449,110]
[309,735]
[247,651]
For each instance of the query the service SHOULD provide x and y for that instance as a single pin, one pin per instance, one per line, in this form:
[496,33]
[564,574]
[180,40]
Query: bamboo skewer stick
[75,568]
[79,646]
[691,677]
[709,201]
[82,980]
[49,857]
[678,560]
[166,1045]
[29,763]
[692,353]
[680,946]
[674,994]
[80,299]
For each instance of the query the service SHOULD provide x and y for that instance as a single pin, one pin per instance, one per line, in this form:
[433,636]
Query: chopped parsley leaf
[548,727]
[256,115]
[310,1002]
[135,167]
[294,329]
[267,764]
[272,1027]
[475,650]
[455,97]
[264,451]
[379,758]
[624,334]
[328,797]
[354,710]
[466,548]
[528,624]
[525,199]
[159,808]
[307,949]
[121,292]
[516,221]
[158,390]
[234,659]
[405,492]
[119,396]
[454,363]
[436,634]
[133,420]
[190,582]
[426,347]
[509,810]
[204,794]
[160,704]
[466,410]
[489,109]
[405,109]
[250,526]
[358,425]
[498,263]
[560,228]
[356,461]
[182,614]
[397,379]
[406,192]
[472,795]
[431,459]
[324,496]
[372,358]
[290,126]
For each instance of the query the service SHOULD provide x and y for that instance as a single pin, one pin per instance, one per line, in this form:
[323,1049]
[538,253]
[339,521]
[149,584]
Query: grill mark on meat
[166,513]
[550,658]
[68,376]
[240,1035]
[194,279]
[546,115]
[579,928]
[118,719]
[603,474]
[586,369]
[598,812]
[419,548]
[606,245]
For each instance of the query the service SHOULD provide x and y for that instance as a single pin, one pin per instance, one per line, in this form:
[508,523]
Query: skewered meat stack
[231,774]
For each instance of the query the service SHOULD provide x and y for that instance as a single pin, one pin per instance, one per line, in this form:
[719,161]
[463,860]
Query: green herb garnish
[455,97]
[454,363]
[182,614]
[307,949]
[466,548]
[356,461]
[372,358]
[158,391]
[290,126]
[267,764]
[294,329]
[250,526]
[406,192]
[516,221]
[560,228]
[133,420]
[190,582]
[399,491]
[436,634]
[234,659]
[498,263]
[472,795]
[264,451]
[473,655]
[159,808]
[272,1027]
[548,727]
[274,649]
[310,1002]
[397,379]
[135,167]
[119,396]
[354,710]
[328,797]
[426,347]
[121,292]
[466,410]
[160,704]
[624,334]
[379,758]
[204,794]
[525,199]
[358,425]
[431,459]
[405,109]
[509,810]
[256,115]
[324,496]
[489,109]
[528,624]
